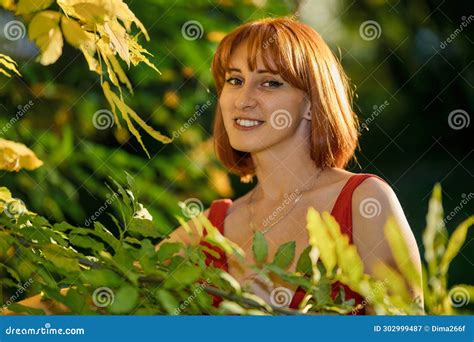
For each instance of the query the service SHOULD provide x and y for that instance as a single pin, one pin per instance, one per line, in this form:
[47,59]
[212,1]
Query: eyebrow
[259,71]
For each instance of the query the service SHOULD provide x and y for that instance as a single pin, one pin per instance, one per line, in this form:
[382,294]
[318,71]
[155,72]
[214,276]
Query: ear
[307,116]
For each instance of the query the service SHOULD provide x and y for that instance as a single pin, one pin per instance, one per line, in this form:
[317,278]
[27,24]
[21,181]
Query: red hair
[305,61]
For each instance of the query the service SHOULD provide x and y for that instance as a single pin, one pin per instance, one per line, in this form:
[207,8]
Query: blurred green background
[414,97]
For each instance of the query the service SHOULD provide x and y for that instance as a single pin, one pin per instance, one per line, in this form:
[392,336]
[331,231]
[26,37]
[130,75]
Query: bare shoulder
[375,200]
[373,203]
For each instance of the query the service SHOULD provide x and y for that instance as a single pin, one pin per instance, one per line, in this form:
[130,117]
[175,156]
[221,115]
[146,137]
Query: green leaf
[86,242]
[259,247]
[285,254]
[182,276]
[15,307]
[304,262]
[101,278]
[125,300]
[145,228]
[455,243]
[106,235]
[167,250]
[435,234]
[322,292]
[61,258]
[168,301]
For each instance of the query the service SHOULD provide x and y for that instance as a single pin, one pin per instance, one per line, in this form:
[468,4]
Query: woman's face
[259,108]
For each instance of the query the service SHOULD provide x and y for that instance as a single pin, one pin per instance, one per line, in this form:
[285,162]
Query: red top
[342,212]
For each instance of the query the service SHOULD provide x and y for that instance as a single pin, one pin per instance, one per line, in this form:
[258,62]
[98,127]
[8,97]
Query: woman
[284,115]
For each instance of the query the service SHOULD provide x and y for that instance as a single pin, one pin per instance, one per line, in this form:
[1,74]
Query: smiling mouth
[247,123]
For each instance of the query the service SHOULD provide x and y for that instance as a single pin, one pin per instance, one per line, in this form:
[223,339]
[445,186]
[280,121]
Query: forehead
[247,56]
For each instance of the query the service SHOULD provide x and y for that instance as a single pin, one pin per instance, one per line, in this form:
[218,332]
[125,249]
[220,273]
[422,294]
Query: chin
[247,146]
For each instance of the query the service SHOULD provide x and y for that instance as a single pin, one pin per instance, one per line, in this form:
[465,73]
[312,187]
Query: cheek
[225,100]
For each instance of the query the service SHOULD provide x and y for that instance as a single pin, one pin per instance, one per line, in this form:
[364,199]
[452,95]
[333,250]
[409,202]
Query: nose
[245,98]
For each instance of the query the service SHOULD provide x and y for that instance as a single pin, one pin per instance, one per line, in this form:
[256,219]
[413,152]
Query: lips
[246,124]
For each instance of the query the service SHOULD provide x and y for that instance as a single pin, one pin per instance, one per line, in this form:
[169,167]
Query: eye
[273,84]
[233,81]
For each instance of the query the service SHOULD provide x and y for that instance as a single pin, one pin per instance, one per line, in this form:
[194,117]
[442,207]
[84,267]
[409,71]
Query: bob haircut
[304,60]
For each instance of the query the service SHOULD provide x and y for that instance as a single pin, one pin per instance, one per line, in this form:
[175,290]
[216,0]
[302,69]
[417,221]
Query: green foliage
[129,275]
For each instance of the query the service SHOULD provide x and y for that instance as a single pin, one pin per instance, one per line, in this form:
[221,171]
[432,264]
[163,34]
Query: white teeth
[248,123]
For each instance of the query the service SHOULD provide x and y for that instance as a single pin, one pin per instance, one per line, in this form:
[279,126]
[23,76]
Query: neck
[286,167]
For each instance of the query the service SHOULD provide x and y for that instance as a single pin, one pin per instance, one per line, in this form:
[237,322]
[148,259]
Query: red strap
[218,211]
[217,214]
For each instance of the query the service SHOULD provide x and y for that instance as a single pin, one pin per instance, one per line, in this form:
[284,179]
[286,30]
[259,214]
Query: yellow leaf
[321,238]
[120,73]
[216,238]
[15,156]
[45,32]
[73,33]
[137,54]
[401,254]
[89,12]
[110,99]
[122,12]
[5,73]
[51,46]
[118,39]
[127,112]
[455,243]
[5,194]
[393,280]
[347,256]
[42,23]
[105,52]
[88,49]
[8,63]
[30,6]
